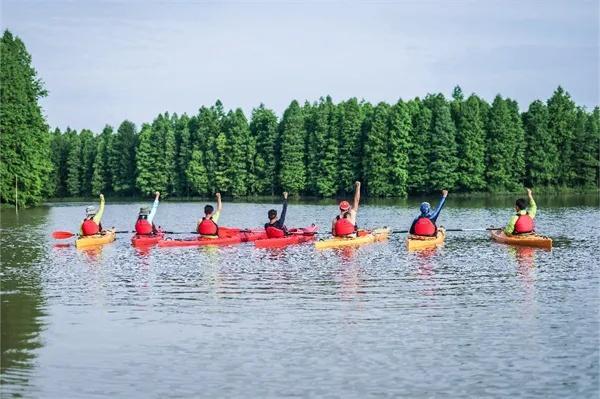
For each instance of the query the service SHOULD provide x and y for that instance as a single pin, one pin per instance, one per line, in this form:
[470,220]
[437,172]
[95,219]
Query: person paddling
[145,222]
[207,226]
[275,228]
[522,221]
[91,224]
[344,224]
[424,224]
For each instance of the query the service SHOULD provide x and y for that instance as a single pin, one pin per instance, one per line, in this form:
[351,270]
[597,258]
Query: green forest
[461,143]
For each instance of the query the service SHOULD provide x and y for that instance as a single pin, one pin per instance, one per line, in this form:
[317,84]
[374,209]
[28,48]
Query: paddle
[61,235]
[486,229]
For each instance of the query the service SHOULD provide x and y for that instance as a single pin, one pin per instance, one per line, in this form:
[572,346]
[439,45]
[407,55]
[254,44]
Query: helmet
[90,211]
[344,206]
[425,208]
[144,210]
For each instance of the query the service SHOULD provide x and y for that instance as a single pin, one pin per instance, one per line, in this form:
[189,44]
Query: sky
[106,61]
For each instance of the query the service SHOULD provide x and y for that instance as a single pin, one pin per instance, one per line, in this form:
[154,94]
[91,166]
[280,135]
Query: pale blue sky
[107,61]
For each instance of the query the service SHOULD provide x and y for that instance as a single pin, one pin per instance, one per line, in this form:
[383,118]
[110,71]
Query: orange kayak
[297,236]
[204,241]
[529,240]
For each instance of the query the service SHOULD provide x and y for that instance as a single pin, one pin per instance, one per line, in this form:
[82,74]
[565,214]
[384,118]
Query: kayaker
[275,228]
[91,224]
[522,221]
[424,224]
[145,224]
[344,224]
[207,226]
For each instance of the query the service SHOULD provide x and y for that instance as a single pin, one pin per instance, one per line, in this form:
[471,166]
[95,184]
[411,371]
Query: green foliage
[25,162]
[418,150]
[74,165]
[442,155]
[196,173]
[292,176]
[239,154]
[412,147]
[101,176]
[400,126]
[586,160]
[348,121]
[122,159]
[470,140]
[541,152]
[376,159]
[561,124]
[263,128]
[155,157]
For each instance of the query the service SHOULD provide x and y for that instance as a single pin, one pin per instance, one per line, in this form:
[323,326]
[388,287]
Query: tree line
[317,148]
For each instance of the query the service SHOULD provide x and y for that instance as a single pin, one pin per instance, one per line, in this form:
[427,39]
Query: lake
[470,319]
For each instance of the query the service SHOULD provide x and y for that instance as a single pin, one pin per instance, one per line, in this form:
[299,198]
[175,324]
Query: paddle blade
[61,235]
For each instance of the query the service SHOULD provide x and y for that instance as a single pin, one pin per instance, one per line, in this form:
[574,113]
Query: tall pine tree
[122,158]
[292,175]
[400,126]
[25,162]
[264,131]
[470,140]
[541,152]
[561,124]
[375,159]
[418,151]
[442,154]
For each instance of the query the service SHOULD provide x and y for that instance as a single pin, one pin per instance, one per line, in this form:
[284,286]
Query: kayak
[204,241]
[414,242]
[336,242]
[297,236]
[105,237]
[529,240]
[147,240]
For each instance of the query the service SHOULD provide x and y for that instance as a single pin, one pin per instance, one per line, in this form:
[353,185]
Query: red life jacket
[424,227]
[523,225]
[274,232]
[207,227]
[143,227]
[89,227]
[343,226]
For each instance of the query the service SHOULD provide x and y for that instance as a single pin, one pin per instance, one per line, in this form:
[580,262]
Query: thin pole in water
[16,194]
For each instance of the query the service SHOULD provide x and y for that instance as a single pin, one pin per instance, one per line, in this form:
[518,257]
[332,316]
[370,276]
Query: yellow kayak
[336,242]
[529,240]
[414,242]
[105,237]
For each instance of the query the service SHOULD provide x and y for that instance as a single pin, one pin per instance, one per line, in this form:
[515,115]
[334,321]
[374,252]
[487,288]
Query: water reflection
[22,303]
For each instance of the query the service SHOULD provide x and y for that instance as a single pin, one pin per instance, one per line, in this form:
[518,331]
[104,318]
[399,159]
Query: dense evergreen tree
[88,156]
[74,164]
[586,160]
[400,126]
[155,157]
[102,176]
[470,140]
[348,121]
[561,124]
[184,151]
[239,153]
[292,176]
[376,158]
[56,184]
[122,158]
[24,140]
[442,156]
[264,131]
[196,173]
[321,148]
[517,133]
[418,151]
[541,153]
[500,147]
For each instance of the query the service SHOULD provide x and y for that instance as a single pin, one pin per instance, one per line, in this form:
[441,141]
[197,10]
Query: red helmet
[344,206]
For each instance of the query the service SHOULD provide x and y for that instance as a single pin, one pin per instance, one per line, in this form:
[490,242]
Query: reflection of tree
[22,301]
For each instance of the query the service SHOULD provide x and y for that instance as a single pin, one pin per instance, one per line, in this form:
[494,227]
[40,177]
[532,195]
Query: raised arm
[219,204]
[154,207]
[356,195]
[437,210]
[98,217]
[284,209]
[532,209]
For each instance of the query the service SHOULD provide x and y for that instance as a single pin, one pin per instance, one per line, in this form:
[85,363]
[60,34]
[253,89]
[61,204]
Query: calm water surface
[471,319]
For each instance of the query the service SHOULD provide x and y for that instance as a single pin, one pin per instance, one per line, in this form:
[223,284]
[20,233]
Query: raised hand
[445,193]
[285,195]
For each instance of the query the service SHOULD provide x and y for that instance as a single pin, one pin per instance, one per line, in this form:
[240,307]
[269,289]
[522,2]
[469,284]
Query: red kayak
[147,240]
[297,236]
[242,236]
